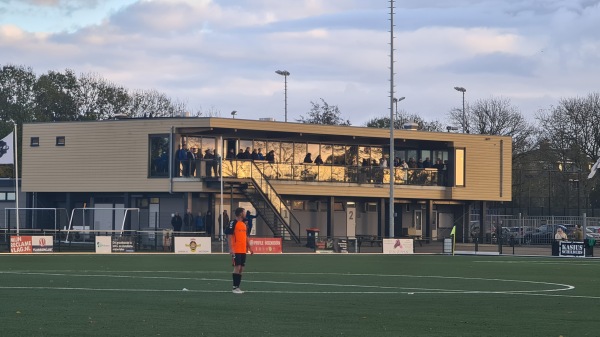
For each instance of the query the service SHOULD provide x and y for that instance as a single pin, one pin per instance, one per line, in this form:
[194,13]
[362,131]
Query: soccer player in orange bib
[239,245]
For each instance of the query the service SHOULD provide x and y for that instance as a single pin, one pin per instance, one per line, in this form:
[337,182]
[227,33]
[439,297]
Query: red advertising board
[266,245]
[21,244]
[25,244]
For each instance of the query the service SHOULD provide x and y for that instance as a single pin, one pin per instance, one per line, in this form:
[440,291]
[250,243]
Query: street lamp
[285,74]
[396,100]
[463,90]
[233,113]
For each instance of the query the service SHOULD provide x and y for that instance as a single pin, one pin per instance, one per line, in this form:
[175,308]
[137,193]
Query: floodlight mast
[463,90]
[285,74]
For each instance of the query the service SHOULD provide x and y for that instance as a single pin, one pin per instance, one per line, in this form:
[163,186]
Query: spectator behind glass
[308,159]
[271,156]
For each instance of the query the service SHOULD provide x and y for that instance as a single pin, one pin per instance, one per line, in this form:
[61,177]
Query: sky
[221,55]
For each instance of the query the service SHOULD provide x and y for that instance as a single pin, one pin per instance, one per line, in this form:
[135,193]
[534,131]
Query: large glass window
[459,167]
[327,153]
[300,153]
[376,155]
[208,143]
[352,155]
[364,155]
[244,144]
[159,156]
[287,153]
[260,146]
[339,155]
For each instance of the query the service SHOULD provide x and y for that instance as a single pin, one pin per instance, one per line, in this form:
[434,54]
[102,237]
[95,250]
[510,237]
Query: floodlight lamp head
[461,89]
[283,72]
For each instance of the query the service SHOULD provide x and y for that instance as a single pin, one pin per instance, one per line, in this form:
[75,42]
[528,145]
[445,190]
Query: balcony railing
[317,173]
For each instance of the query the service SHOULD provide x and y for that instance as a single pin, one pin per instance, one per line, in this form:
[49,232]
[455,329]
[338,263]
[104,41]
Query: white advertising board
[398,246]
[192,245]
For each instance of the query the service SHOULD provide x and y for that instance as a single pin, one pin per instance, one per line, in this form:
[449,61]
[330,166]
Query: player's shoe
[237,291]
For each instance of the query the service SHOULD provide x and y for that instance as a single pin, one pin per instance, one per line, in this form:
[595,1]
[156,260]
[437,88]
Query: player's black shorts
[239,259]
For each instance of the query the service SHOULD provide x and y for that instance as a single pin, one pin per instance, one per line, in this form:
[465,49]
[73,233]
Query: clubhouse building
[163,166]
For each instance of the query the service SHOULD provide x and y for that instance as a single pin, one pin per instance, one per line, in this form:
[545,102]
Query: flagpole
[16,146]
[453,233]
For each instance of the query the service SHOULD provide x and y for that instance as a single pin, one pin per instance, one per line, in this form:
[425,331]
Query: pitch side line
[413,290]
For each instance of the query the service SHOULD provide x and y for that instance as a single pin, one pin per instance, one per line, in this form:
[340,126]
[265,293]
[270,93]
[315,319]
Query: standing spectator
[261,156]
[308,159]
[188,220]
[271,156]
[240,155]
[208,162]
[176,222]
[225,219]
[426,163]
[208,222]
[249,220]
[319,160]
[199,223]
[230,155]
[247,154]
[191,157]
[216,163]
[560,235]
[178,161]
[578,233]
[185,163]
[239,245]
[254,155]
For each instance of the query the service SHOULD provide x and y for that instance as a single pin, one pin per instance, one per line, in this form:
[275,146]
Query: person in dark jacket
[176,222]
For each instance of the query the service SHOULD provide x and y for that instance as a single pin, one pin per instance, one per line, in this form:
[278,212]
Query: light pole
[396,100]
[463,90]
[233,113]
[285,74]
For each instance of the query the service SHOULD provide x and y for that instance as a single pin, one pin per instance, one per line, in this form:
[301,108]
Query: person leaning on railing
[560,235]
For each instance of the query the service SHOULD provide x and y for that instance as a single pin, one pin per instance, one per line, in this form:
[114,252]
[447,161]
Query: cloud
[224,53]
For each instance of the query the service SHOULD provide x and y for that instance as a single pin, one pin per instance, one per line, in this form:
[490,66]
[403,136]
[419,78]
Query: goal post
[35,218]
[86,221]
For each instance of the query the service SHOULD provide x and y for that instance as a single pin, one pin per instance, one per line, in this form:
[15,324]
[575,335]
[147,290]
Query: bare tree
[497,116]
[324,114]
[572,128]
[403,117]
[151,103]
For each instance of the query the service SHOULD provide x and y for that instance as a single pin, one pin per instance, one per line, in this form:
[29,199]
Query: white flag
[594,169]
[7,150]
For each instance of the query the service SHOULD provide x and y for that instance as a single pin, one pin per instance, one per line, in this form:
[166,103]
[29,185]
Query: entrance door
[434,225]
[398,220]
[418,225]
[153,214]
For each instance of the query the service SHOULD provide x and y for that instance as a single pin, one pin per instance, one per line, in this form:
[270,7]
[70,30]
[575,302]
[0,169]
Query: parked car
[519,233]
[545,233]
[506,236]
[595,229]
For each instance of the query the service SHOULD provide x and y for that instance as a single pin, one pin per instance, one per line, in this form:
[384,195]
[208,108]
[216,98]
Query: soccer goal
[35,218]
[86,222]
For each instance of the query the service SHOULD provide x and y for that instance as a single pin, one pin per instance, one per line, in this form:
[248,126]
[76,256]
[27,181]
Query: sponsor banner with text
[572,248]
[103,244]
[31,244]
[192,245]
[266,245]
[398,246]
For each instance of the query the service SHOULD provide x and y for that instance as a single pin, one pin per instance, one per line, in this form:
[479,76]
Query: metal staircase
[267,202]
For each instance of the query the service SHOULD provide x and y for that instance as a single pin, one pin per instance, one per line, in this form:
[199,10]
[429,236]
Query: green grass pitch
[298,295]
